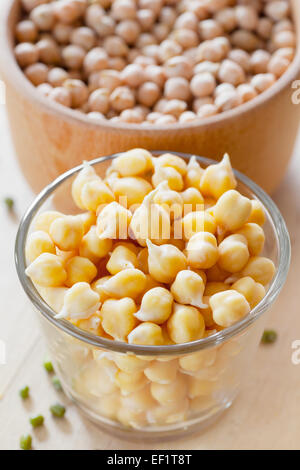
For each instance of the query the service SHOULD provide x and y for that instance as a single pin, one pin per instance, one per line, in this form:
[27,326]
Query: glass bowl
[152,392]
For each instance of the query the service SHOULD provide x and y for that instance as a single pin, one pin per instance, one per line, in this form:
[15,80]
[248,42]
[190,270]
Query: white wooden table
[266,414]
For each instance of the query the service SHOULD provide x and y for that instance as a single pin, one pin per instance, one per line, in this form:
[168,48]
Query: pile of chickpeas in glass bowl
[163,253]
[154,61]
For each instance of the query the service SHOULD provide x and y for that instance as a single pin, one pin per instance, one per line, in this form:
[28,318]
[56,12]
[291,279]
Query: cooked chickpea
[218,179]
[257,215]
[165,262]
[80,302]
[233,253]
[121,258]
[37,243]
[156,306]
[79,269]
[261,269]
[162,372]
[185,324]
[228,307]
[118,317]
[251,290]
[47,270]
[67,232]
[146,333]
[126,283]
[202,250]
[92,247]
[188,289]
[226,217]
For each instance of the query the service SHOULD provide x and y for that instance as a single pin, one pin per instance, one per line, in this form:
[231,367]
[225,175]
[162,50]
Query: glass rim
[48,313]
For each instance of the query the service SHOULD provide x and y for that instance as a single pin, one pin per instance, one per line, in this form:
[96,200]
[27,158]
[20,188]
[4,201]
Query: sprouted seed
[24,392]
[37,421]
[26,442]
[58,410]
[269,336]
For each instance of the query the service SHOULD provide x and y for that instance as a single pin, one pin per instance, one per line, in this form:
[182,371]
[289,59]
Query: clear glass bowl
[152,392]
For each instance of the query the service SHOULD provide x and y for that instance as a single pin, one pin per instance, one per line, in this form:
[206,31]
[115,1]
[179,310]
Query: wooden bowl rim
[11,69]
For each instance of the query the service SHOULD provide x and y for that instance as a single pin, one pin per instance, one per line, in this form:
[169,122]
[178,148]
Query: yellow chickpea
[162,372]
[217,179]
[188,288]
[261,269]
[140,401]
[165,262]
[194,174]
[88,219]
[232,210]
[126,283]
[79,269]
[121,258]
[156,306]
[94,194]
[198,360]
[37,243]
[142,260]
[193,200]
[216,274]
[257,214]
[170,413]
[47,270]
[86,175]
[92,247]
[53,296]
[185,324]
[113,222]
[251,290]
[67,232]
[169,199]
[44,220]
[195,222]
[198,387]
[132,189]
[169,174]
[109,405]
[97,287]
[118,317]
[150,220]
[255,237]
[213,287]
[80,302]
[171,160]
[135,162]
[170,393]
[130,363]
[228,307]
[147,333]
[91,324]
[233,253]
[202,251]
[130,383]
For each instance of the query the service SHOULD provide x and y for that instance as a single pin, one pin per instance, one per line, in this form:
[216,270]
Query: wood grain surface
[265,415]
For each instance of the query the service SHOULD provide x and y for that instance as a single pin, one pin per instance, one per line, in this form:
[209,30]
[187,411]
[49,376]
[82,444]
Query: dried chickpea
[73,56]
[26,54]
[122,98]
[185,324]
[26,31]
[156,306]
[83,37]
[177,88]
[228,307]
[233,253]
[57,76]
[78,91]
[37,73]
[61,96]
[118,317]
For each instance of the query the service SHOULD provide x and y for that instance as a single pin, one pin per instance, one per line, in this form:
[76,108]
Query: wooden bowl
[49,138]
